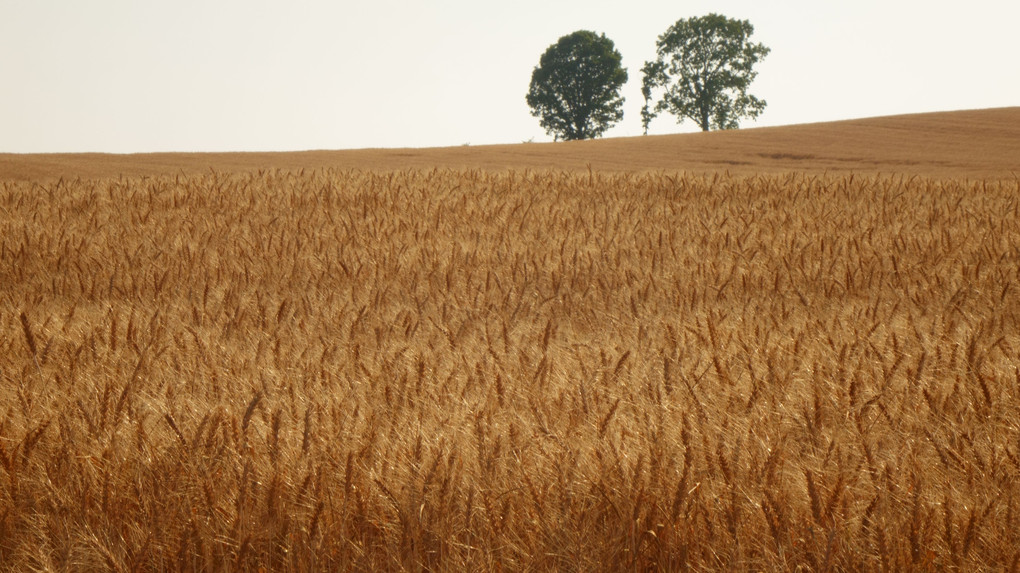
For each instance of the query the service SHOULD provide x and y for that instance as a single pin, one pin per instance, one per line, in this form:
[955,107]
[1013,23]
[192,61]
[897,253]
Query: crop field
[467,369]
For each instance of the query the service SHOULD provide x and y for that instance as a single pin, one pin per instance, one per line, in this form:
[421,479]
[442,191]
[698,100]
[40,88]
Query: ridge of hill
[981,143]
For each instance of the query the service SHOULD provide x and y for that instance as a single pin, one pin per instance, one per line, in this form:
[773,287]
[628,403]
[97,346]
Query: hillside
[970,144]
[628,369]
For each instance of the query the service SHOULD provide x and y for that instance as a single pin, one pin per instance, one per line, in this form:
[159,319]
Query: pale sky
[260,75]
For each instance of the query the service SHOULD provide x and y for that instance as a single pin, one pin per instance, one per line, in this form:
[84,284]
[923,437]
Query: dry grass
[519,371]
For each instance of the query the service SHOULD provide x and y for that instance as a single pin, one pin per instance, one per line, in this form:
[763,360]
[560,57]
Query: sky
[127,76]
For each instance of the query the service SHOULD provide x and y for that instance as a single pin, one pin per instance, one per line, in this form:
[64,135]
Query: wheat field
[518,370]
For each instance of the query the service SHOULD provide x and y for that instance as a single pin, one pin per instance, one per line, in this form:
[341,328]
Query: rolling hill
[388,366]
[969,144]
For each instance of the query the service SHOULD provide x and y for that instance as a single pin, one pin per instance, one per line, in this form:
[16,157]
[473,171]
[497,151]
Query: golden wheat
[527,370]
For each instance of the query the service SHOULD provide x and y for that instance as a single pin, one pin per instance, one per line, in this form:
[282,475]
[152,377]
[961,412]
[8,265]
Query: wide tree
[575,89]
[703,69]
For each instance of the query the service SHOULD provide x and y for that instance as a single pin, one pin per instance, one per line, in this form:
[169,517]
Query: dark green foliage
[704,67]
[575,89]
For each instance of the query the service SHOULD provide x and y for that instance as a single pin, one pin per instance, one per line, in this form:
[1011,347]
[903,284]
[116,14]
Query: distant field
[498,359]
[978,143]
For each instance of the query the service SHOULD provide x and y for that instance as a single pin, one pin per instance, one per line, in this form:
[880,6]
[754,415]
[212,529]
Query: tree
[575,89]
[704,68]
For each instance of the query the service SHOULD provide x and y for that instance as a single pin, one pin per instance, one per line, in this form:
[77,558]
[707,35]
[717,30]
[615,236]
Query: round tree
[575,89]
[703,69]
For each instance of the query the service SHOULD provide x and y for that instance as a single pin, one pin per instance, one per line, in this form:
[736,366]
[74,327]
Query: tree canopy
[703,70]
[575,89]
